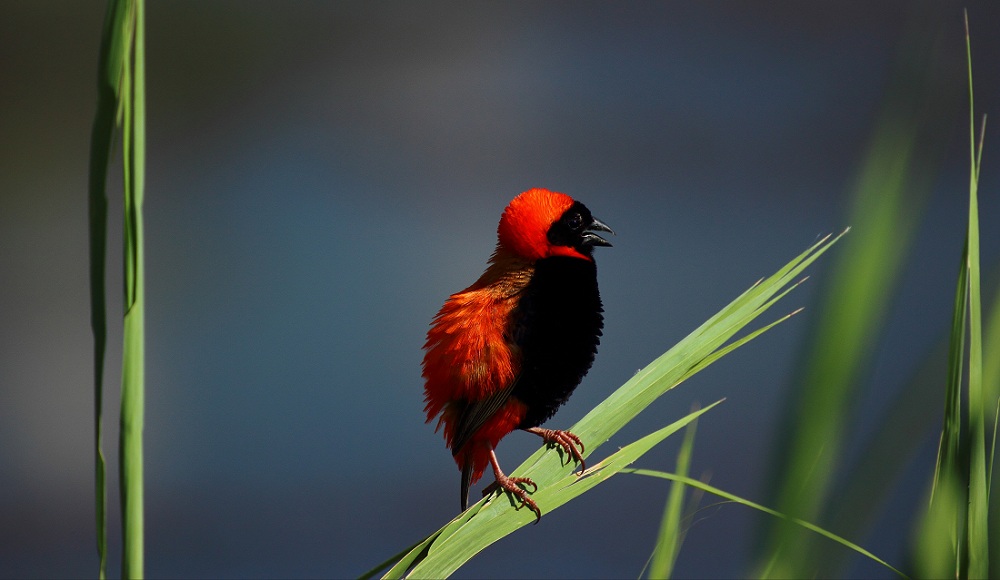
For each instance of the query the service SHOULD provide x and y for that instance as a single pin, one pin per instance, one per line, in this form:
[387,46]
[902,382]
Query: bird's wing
[476,413]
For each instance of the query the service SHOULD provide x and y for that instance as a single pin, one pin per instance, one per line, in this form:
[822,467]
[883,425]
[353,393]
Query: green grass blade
[848,319]
[991,359]
[978,521]
[407,559]
[133,349]
[705,362]
[396,560]
[943,535]
[940,537]
[494,519]
[950,452]
[668,542]
[954,534]
[991,392]
[793,520]
[856,504]
[109,74]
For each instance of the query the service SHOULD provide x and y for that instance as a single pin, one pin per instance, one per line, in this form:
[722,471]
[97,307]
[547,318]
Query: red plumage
[507,351]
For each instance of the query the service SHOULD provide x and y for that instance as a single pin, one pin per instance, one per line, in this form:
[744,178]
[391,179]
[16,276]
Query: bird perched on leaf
[506,352]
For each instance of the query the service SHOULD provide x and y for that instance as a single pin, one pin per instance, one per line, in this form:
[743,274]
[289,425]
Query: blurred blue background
[322,175]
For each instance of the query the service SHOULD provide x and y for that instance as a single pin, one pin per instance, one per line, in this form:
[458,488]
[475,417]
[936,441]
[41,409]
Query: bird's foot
[564,439]
[512,485]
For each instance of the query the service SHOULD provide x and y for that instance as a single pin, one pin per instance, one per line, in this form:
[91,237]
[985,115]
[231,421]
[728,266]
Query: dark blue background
[322,175]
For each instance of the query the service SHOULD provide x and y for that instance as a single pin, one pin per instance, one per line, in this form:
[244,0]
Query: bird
[505,353]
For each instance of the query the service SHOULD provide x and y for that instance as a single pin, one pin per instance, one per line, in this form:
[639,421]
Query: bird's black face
[575,229]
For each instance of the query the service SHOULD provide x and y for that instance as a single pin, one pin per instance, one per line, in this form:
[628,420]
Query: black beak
[591,239]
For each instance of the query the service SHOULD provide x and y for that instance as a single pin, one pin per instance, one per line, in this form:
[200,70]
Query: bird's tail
[466,482]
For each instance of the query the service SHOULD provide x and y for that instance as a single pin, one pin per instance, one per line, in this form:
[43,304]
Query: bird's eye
[574,221]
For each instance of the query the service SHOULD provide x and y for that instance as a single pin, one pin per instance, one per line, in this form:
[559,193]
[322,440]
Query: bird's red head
[540,223]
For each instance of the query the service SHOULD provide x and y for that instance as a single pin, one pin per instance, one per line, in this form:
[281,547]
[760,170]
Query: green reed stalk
[120,102]
[133,350]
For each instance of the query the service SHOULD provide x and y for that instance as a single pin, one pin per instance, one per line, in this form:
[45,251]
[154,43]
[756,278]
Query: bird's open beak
[592,239]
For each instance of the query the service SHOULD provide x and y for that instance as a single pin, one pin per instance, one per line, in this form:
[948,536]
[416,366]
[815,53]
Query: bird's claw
[512,485]
[568,441]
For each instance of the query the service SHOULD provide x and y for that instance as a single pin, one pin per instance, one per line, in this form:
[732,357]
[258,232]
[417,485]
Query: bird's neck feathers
[506,274]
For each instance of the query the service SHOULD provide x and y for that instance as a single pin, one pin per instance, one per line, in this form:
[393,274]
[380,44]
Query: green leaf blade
[978,520]
[670,537]
[494,520]
[793,520]
[132,413]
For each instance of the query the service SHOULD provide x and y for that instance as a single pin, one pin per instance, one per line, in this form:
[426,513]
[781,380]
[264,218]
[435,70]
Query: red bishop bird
[506,352]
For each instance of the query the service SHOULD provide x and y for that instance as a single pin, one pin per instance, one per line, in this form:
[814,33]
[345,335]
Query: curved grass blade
[737,499]
[876,471]
[668,543]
